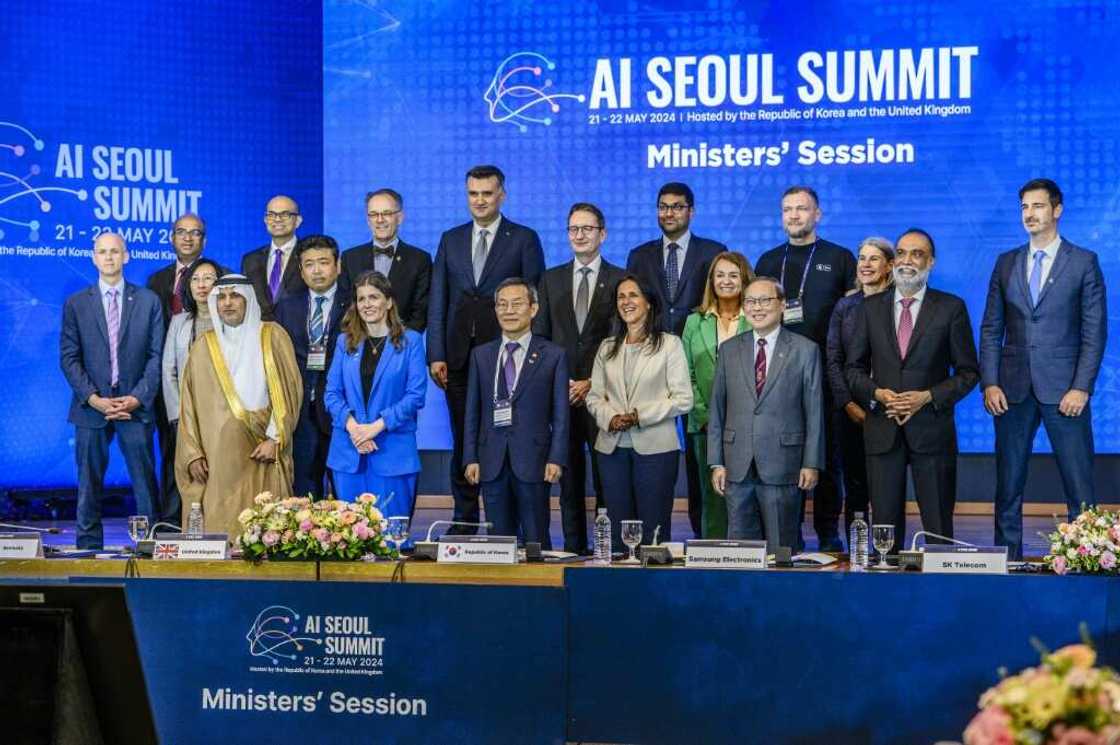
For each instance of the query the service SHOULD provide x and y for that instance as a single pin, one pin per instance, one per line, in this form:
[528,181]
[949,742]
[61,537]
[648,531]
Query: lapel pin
[532,358]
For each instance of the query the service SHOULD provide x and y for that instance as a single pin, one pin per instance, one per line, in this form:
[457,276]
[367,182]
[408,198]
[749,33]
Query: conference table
[563,652]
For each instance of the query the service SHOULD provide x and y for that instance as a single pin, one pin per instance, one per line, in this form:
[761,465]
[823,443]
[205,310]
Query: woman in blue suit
[375,387]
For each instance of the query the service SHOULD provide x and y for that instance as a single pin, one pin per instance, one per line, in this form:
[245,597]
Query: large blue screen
[605,101]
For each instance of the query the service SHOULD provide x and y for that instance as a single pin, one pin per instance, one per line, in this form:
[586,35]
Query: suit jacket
[781,431]
[539,433]
[646,261]
[660,391]
[291,312]
[410,275]
[397,394]
[84,351]
[162,283]
[840,327]
[833,273]
[254,265]
[1051,347]
[556,317]
[941,358]
[701,349]
[461,310]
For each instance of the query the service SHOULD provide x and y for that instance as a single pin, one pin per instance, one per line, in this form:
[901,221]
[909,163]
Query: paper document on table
[814,558]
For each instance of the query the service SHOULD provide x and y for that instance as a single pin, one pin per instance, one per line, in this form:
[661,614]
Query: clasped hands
[264,452]
[902,406]
[117,409]
[361,435]
[623,422]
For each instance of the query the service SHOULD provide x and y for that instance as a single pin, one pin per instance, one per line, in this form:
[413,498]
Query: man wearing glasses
[270,268]
[677,265]
[408,268]
[576,307]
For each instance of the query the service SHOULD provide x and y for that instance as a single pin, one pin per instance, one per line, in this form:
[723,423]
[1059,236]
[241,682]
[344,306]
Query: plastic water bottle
[857,543]
[602,537]
[194,520]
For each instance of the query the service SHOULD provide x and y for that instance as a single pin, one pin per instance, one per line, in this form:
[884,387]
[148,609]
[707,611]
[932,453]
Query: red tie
[176,300]
[905,327]
[760,368]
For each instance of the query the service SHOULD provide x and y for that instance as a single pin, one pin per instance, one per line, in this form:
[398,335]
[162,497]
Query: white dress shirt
[286,250]
[329,295]
[916,306]
[1051,250]
[518,359]
[682,242]
[771,339]
[594,265]
[491,231]
[382,263]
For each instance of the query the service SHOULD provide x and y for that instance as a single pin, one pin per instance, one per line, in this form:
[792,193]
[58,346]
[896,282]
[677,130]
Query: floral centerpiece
[298,528]
[1090,544]
[1063,701]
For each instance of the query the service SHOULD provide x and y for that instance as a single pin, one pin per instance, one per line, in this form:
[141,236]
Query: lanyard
[804,274]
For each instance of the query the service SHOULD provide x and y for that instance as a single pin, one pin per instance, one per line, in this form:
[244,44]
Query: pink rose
[989,727]
[361,532]
[1060,565]
[270,538]
[306,526]
[367,498]
[1083,550]
[1076,736]
[322,535]
[336,537]
[1108,560]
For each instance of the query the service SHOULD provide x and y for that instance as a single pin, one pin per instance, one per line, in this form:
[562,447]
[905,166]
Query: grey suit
[764,441]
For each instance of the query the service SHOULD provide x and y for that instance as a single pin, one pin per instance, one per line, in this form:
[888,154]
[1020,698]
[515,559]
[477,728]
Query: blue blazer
[396,396]
[1051,347]
[539,433]
[84,351]
[460,309]
[646,262]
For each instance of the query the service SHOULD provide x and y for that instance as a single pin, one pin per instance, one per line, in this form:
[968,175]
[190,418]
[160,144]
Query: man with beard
[912,357]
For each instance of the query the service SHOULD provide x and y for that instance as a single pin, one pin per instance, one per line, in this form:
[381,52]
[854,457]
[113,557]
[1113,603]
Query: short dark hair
[918,231]
[313,242]
[679,189]
[778,289]
[189,214]
[392,194]
[1043,183]
[588,207]
[517,282]
[481,172]
[802,189]
[190,307]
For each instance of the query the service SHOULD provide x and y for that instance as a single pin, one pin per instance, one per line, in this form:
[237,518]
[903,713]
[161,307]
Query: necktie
[509,371]
[1036,276]
[583,297]
[383,251]
[114,319]
[479,257]
[905,326]
[176,299]
[760,368]
[672,271]
[274,276]
[317,319]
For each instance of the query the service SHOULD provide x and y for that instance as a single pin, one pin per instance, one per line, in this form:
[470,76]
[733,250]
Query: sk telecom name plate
[477,549]
[725,554]
[940,559]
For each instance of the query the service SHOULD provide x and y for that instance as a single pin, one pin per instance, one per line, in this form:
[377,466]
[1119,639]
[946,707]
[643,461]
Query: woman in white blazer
[185,327]
[639,386]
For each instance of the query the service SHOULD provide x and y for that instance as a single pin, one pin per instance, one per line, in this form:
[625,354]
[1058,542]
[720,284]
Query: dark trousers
[935,487]
[170,505]
[582,432]
[91,450]
[309,456]
[639,487]
[853,461]
[464,494]
[517,507]
[1072,440]
[695,490]
[827,497]
[757,511]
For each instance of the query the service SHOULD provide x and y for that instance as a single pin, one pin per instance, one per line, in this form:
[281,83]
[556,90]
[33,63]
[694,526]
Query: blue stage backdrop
[898,114]
[120,115]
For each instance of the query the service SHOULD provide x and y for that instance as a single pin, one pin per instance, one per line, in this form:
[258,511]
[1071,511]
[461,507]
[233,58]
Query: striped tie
[114,318]
[905,327]
[760,368]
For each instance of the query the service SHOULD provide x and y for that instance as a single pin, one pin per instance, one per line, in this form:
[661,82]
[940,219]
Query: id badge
[503,413]
[317,357]
[794,312]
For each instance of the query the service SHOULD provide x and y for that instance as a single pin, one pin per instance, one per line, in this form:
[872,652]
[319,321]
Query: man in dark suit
[312,319]
[516,439]
[188,238]
[110,350]
[814,273]
[408,268]
[577,304]
[1041,344]
[676,265]
[471,261]
[270,268]
[911,358]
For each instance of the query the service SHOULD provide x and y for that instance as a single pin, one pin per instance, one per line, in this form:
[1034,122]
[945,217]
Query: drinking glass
[883,538]
[137,529]
[631,536]
[395,530]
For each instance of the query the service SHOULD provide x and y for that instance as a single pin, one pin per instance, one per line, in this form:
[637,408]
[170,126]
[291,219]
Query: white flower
[1071,553]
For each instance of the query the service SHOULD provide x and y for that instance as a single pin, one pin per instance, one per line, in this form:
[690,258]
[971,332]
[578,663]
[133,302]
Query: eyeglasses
[676,209]
[759,302]
[270,215]
[192,232]
[574,230]
[515,306]
[201,279]
[383,215]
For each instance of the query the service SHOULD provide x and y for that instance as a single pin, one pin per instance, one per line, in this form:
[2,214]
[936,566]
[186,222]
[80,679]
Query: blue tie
[317,319]
[672,271]
[1036,276]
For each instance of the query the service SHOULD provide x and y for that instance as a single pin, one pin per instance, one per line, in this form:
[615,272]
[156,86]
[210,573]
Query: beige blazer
[660,392]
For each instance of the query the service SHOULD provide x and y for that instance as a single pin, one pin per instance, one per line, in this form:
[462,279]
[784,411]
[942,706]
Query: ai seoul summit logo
[313,643]
[275,635]
[520,93]
[17,190]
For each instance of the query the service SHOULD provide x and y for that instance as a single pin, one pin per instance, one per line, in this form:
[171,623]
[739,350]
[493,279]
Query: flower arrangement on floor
[1089,544]
[298,528]
[1063,701]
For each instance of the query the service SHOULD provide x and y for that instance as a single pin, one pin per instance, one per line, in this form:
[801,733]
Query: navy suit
[1036,353]
[512,459]
[311,440]
[461,316]
[254,265]
[84,357]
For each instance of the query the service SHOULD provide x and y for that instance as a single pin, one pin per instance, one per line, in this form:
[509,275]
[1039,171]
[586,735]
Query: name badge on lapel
[503,412]
[794,312]
[317,356]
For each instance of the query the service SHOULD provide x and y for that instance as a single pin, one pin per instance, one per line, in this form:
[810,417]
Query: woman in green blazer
[718,318]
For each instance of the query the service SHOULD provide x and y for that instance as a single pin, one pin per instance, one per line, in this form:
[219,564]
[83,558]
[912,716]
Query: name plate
[21,545]
[181,546]
[939,559]
[725,554]
[477,549]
